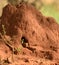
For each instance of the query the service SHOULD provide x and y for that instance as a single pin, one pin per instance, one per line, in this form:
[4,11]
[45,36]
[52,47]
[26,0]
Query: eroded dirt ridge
[27,28]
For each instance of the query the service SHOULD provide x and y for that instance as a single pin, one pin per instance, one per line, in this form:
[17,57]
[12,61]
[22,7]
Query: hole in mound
[48,19]
[48,55]
[6,51]
[33,32]
[24,42]
[6,61]
[26,60]
[53,48]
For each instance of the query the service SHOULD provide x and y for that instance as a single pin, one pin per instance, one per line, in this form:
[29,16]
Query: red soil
[36,35]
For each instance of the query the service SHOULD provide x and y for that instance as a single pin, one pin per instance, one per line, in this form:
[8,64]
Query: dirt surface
[27,37]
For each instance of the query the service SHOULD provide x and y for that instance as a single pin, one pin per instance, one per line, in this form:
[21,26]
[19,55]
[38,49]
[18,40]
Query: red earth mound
[27,30]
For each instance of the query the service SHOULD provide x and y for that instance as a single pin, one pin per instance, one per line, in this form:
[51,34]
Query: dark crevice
[24,42]
[53,48]
[33,32]
[47,55]
[48,19]
[7,61]
[32,49]
[47,36]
